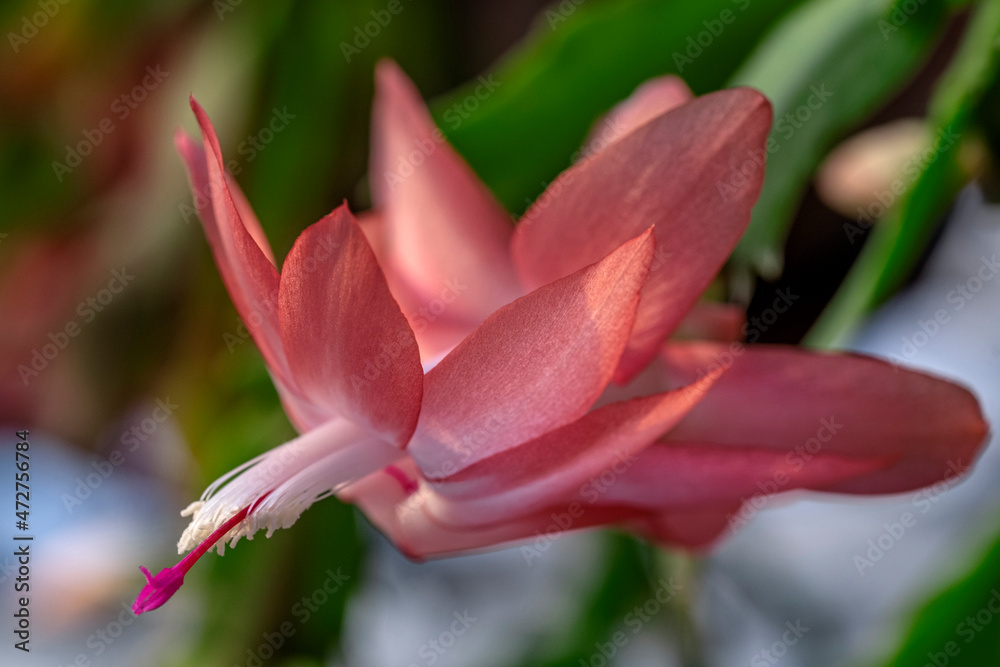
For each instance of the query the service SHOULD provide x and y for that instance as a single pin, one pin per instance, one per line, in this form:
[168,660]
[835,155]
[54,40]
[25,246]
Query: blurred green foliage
[817,69]
[576,65]
[576,62]
[960,626]
[902,236]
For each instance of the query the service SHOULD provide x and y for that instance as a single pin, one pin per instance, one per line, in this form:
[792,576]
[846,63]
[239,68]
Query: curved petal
[388,502]
[789,399]
[197,168]
[249,218]
[669,173]
[544,471]
[669,487]
[372,223]
[246,268]
[677,494]
[534,365]
[696,529]
[653,98]
[436,333]
[697,490]
[673,475]
[348,344]
[447,238]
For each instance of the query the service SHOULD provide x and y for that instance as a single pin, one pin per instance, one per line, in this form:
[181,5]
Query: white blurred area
[415,614]
[792,566]
[797,562]
[94,517]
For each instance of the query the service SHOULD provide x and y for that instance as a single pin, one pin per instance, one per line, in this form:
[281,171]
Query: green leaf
[959,627]
[826,67]
[575,65]
[899,240]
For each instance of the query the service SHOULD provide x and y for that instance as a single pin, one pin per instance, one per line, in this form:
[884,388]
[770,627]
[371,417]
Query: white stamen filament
[292,477]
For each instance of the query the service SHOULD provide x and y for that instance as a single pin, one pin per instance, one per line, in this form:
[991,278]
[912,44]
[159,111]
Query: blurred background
[124,358]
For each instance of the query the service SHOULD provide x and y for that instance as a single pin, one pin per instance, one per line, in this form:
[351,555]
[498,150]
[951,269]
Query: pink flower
[450,374]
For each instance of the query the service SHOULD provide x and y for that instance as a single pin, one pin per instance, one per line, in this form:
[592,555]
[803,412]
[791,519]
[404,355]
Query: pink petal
[668,173]
[389,503]
[447,239]
[698,490]
[197,168]
[435,331]
[677,475]
[696,529]
[348,344]
[372,223]
[533,366]
[304,415]
[249,219]
[242,255]
[922,428]
[653,98]
[544,471]
[670,486]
